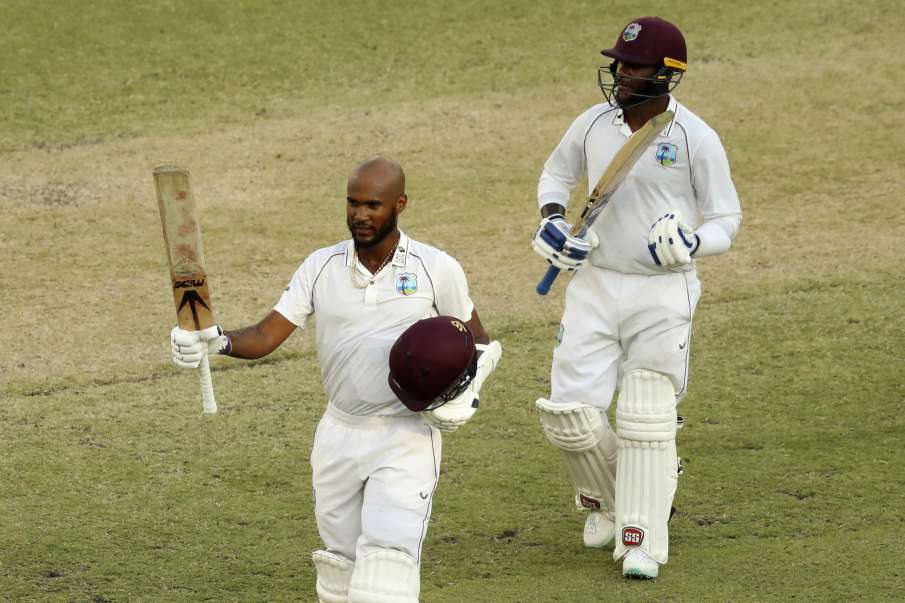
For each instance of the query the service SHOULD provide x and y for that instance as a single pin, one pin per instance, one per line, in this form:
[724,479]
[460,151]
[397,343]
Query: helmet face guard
[456,389]
[662,83]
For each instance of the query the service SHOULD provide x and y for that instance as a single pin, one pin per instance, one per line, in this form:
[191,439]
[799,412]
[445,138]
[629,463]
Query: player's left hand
[671,242]
[459,410]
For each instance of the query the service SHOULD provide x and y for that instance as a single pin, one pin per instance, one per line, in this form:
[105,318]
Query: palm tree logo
[407,283]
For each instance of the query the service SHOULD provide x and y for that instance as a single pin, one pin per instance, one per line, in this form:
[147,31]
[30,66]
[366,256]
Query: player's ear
[401,202]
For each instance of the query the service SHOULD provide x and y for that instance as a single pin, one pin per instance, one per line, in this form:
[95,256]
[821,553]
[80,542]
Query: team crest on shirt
[406,283]
[631,32]
[666,153]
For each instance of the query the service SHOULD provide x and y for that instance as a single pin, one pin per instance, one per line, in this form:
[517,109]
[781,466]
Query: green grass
[113,487]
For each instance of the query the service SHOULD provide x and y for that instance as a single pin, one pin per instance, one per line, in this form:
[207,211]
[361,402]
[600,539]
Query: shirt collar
[619,120]
[400,257]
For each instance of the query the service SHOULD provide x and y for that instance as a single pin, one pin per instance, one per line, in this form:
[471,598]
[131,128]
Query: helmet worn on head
[432,362]
[650,41]
[647,41]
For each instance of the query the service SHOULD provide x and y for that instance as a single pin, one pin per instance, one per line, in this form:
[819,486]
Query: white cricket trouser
[374,479]
[614,323]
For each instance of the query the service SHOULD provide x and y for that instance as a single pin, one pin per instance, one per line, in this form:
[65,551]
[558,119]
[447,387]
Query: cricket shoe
[639,566]
[599,529]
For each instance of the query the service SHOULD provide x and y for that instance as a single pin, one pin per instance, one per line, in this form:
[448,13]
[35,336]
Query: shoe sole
[637,575]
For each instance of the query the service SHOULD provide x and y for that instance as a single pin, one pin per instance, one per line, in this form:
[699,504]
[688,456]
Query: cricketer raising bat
[612,178]
[182,235]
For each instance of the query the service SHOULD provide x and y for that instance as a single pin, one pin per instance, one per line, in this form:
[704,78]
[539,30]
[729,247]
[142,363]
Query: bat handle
[209,404]
[543,287]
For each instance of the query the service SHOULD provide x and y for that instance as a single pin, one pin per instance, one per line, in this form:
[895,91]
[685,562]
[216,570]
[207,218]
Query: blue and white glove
[188,347]
[554,242]
[671,243]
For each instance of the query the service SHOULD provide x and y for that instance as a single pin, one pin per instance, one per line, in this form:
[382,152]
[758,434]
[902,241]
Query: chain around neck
[354,268]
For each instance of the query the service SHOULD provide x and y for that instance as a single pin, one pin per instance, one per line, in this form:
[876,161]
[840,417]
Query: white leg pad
[647,469]
[589,448]
[385,576]
[334,572]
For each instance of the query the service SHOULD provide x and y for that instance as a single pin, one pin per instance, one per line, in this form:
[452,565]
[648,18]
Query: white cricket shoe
[599,529]
[638,564]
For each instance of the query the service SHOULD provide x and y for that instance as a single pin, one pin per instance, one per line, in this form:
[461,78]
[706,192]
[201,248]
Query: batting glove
[189,347]
[671,243]
[459,410]
[554,242]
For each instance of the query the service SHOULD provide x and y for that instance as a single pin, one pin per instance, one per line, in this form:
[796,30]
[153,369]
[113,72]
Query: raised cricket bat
[182,235]
[609,182]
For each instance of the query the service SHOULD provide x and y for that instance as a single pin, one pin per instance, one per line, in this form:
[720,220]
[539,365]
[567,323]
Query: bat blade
[185,253]
[611,179]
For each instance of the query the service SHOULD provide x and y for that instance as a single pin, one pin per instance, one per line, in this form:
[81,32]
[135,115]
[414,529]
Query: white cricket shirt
[685,169]
[357,327]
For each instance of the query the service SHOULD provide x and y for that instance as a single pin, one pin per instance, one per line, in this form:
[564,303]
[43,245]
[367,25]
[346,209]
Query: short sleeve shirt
[357,327]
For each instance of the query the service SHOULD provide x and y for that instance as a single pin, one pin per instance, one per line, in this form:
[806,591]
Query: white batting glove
[671,242]
[554,242]
[459,410]
[189,347]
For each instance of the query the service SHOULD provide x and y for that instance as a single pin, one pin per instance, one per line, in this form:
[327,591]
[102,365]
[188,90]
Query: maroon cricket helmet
[650,41]
[432,362]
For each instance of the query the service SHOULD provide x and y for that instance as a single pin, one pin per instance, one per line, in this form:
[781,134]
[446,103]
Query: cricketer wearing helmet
[626,326]
[375,459]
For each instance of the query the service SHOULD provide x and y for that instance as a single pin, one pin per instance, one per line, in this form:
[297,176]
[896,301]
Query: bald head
[379,174]
[375,197]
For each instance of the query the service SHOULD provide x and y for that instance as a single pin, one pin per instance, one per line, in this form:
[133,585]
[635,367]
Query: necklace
[354,268]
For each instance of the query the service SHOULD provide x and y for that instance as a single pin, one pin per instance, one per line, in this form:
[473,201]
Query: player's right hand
[554,242]
[188,347]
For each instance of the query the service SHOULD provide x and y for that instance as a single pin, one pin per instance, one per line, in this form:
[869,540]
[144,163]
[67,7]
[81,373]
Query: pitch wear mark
[559,335]
[406,283]
[192,298]
[632,536]
[667,153]
[631,32]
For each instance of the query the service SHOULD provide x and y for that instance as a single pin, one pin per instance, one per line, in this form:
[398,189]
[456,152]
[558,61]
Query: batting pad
[385,576]
[647,469]
[333,575]
[588,446]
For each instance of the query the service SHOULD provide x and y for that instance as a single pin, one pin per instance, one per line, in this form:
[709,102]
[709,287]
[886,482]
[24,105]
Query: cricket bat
[182,235]
[609,182]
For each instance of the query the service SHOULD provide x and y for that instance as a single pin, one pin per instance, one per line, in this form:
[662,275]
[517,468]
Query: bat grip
[543,287]
[208,403]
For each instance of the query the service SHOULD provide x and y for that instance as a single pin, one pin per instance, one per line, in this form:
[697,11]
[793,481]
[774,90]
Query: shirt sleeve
[565,167]
[716,196]
[297,304]
[451,289]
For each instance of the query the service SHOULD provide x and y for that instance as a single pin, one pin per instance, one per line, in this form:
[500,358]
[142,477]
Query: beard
[633,96]
[377,238]
[647,91]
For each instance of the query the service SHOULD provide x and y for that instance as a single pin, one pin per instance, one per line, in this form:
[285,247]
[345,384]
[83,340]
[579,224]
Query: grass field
[113,487]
